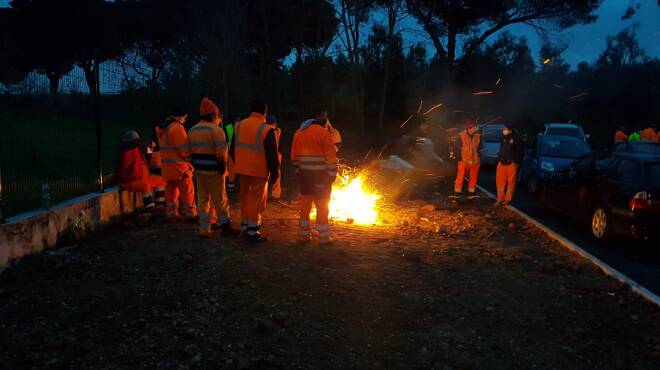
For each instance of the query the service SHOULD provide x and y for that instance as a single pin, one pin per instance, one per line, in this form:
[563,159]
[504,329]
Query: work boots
[225,229]
[258,237]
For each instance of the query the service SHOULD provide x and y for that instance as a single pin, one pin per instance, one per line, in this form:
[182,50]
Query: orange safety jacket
[172,140]
[620,136]
[470,147]
[313,154]
[254,148]
[208,147]
[648,134]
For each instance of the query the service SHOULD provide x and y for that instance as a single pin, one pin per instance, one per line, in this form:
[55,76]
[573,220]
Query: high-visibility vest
[174,152]
[647,134]
[620,136]
[208,147]
[313,152]
[470,147]
[634,137]
[249,153]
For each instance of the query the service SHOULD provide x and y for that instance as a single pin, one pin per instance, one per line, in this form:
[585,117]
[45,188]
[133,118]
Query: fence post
[97,119]
[2,202]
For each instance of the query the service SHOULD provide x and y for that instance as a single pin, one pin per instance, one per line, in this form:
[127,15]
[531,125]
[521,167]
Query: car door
[569,184]
[619,187]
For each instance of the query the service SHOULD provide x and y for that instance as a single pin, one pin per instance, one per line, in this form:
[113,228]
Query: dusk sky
[588,41]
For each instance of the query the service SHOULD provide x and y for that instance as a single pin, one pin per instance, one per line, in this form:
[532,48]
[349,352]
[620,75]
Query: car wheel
[601,227]
[533,185]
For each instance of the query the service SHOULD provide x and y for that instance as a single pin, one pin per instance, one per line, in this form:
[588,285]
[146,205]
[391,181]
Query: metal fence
[56,147]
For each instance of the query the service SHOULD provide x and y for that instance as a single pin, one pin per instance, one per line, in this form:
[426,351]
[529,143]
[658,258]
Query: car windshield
[493,136]
[563,148]
[565,131]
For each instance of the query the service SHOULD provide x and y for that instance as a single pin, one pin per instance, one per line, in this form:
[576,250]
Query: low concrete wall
[31,232]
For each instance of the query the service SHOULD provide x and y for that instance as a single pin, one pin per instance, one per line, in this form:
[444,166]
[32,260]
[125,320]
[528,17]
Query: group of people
[649,134]
[212,153]
[510,155]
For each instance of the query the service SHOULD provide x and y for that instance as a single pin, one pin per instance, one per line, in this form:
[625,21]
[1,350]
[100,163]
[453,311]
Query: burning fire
[351,201]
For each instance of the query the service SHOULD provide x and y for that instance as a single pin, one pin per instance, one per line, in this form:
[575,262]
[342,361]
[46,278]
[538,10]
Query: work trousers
[181,189]
[472,170]
[148,186]
[322,212]
[506,181]
[276,189]
[212,199]
[254,194]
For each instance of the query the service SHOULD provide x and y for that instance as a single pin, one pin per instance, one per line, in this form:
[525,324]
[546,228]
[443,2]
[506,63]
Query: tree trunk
[54,82]
[391,15]
[89,69]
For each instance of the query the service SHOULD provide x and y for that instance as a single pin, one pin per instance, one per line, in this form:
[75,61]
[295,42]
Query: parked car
[565,129]
[551,154]
[490,144]
[615,193]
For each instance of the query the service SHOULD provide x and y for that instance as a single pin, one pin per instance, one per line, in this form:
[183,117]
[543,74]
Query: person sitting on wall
[133,171]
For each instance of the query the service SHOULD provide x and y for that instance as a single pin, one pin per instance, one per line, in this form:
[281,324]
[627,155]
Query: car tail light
[643,200]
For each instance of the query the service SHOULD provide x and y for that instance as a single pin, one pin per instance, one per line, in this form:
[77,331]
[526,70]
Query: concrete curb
[607,269]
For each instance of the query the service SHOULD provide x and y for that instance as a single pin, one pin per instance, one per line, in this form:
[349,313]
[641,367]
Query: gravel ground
[460,287]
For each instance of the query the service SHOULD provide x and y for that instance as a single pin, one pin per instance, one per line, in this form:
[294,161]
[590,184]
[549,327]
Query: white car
[564,129]
[490,144]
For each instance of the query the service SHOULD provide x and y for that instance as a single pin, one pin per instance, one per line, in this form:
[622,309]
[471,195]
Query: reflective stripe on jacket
[172,141]
[313,152]
[208,147]
[249,152]
[470,147]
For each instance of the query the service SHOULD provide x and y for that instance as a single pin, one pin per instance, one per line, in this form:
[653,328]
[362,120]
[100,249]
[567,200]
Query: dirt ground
[462,287]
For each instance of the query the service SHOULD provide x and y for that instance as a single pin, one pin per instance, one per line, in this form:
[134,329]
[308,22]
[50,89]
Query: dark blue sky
[586,42]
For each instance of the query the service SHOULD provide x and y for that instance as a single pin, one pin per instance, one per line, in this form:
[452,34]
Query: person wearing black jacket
[510,156]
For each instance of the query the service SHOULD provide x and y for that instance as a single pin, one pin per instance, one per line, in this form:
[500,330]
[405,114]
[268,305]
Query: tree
[352,15]
[97,35]
[14,65]
[622,50]
[395,11]
[474,21]
[44,39]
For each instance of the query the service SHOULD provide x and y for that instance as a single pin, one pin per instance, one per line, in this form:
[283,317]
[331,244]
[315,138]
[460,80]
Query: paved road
[638,260]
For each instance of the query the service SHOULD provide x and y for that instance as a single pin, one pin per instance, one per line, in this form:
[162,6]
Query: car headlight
[547,166]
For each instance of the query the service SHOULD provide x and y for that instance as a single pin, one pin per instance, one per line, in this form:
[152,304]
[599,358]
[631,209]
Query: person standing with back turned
[208,154]
[255,153]
[315,159]
[177,172]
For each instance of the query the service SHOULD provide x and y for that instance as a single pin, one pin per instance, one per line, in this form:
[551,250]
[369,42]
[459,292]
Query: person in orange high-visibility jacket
[177,172]
[276,189]
[133,172]
[648,134]
[208,155]
[255,154]
[468,142]
[315,159]
[620,136]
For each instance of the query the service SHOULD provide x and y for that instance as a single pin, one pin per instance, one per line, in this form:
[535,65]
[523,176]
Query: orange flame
[547,61]
[487,92]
